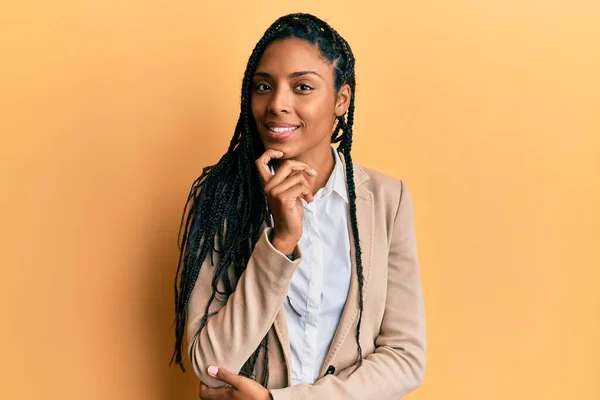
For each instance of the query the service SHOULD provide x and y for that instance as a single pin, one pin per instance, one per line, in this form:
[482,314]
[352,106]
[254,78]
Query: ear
[342,101]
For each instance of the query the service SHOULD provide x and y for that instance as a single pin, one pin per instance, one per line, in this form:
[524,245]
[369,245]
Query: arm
[397,365]
[236,330]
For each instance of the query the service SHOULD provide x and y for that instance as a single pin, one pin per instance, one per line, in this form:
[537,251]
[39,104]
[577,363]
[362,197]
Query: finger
[202,384]
[286,170]
[262,163]
[304,190]
[207,393]
[224,376]
[291,181]
[202,393]
[299,190]
[288,167]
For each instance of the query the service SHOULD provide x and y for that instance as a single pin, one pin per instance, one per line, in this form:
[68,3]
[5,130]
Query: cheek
[254,107]
[317,112]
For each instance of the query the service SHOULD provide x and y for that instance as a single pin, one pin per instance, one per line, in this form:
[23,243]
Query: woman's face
[294,102]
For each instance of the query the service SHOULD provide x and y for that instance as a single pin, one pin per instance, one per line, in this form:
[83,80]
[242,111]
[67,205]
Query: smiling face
[294,101]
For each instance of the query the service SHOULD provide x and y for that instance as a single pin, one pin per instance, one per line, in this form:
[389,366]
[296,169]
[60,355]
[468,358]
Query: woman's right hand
[284,192]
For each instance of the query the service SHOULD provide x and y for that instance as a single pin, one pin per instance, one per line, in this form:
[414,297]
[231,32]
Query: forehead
[292,55]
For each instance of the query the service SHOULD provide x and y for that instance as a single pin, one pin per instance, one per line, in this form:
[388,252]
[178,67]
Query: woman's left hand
[242,388]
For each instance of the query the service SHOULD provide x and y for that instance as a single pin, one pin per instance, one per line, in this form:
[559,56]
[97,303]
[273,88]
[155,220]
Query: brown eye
[304,88]
[262,87]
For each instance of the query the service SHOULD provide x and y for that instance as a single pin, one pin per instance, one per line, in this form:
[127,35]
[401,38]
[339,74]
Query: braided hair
[231,192]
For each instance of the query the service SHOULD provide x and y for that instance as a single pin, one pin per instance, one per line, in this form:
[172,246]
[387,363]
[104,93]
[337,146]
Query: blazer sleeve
[397,366]
[235,328]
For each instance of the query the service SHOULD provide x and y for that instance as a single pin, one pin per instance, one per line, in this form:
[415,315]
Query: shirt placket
[313,303]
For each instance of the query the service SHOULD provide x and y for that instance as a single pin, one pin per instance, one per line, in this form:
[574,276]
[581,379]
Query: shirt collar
[337,180]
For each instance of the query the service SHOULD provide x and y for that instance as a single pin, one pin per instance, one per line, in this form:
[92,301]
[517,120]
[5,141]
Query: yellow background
[488,109]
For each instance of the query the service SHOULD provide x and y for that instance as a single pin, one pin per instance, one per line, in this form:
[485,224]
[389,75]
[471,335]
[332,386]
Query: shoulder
[383,186]
[391,203]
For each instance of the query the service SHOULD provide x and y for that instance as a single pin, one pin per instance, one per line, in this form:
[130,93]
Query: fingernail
[314,172]
[213,370]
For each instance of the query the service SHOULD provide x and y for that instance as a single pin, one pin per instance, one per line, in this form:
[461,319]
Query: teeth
[281,130]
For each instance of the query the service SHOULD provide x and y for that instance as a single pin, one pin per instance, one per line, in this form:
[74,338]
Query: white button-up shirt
[319,287]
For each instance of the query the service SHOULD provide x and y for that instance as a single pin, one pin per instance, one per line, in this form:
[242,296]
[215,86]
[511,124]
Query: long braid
[231,228]
[346,147]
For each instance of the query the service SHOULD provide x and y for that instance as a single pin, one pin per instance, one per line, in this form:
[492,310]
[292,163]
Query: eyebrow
[292,75]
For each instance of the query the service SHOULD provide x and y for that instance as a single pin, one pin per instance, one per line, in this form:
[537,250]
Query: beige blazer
[392,333]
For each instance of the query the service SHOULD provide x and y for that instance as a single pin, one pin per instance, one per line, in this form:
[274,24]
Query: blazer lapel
[364,216]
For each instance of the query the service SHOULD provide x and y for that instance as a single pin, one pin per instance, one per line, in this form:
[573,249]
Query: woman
[288,246]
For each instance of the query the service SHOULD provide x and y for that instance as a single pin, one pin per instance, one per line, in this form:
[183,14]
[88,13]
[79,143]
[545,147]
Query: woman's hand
[284,191]
[241,388]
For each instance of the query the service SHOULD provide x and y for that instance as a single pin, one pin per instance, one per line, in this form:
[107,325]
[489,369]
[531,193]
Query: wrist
[285,246]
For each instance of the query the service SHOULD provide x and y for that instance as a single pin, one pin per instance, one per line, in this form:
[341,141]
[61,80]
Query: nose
[280,102]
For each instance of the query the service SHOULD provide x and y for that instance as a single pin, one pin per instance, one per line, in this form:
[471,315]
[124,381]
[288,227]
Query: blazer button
[330,370]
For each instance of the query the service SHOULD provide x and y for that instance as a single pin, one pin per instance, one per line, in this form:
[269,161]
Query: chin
[287,153]
[288,149]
